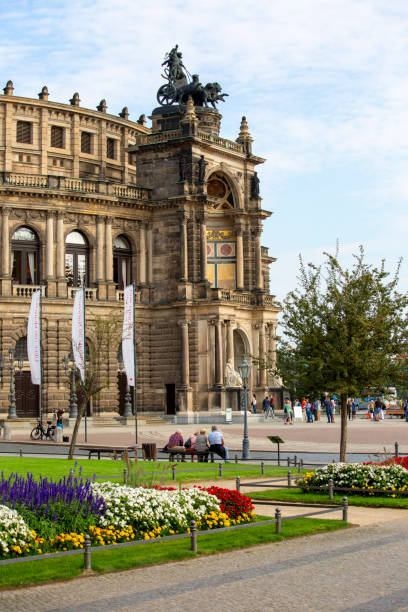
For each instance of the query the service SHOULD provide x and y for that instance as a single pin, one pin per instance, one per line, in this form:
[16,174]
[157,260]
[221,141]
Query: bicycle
[39,432]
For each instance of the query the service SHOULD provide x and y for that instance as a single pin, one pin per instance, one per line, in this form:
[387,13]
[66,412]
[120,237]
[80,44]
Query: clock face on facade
[216,188]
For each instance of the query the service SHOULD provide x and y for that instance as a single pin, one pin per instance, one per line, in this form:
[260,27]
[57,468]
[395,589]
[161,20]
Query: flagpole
[41,399]
[84,341]
[134,365]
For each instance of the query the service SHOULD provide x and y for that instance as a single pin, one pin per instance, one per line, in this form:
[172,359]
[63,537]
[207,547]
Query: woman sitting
[201,445]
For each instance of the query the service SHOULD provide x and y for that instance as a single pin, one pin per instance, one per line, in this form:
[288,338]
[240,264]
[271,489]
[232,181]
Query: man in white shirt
[216,441]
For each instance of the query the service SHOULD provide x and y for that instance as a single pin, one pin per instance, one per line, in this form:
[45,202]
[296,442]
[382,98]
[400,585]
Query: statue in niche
[202,164]
[232,377]
[255,186]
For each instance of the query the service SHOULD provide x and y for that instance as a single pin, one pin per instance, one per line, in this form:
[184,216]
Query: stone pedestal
[185,400]
[232,396]
[51,288]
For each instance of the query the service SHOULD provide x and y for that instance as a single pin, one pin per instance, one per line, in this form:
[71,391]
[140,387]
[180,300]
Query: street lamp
[69,367]
[244,369]
[12,413]
[127,412]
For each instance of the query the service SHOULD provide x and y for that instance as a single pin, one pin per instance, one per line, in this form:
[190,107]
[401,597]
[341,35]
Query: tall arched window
[76,259]
[219,192]
[122,257]
[25,251]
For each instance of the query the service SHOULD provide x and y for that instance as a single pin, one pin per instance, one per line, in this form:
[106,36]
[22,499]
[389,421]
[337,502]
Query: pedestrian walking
[406,411]
[309,414]
[272,407]
[349,404]
[287,412]
[253,403]
[266,406]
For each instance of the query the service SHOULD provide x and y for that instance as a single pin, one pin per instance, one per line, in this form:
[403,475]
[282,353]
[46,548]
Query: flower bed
[391,478]
[109,512]
[402,461]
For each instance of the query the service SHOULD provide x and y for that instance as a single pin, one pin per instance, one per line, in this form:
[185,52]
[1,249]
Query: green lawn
[56,468]
[296,495]
[160,552]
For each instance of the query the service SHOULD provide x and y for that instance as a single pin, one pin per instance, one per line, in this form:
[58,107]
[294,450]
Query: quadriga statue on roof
[181,84]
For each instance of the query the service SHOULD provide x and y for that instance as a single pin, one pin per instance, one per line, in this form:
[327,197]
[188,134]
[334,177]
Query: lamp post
[69,367]
[12,413]
[127,412]
[244,369]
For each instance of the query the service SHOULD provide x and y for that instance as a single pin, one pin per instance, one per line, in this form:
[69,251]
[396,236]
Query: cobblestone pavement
[361,569]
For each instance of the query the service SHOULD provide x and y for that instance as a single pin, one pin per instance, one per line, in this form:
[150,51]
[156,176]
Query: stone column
[258,260]
[61,282]
[5,240]
[218,354]
[108,250]
[203,249]
[184,248]
[149,255]
[100,240]
[230,342]
[142,255]
[262,354]
[240,258]
[185,354]
[49,267]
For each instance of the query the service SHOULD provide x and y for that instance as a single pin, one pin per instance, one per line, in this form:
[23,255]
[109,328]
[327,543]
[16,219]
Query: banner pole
[134,365]
[41,398]
[84,341]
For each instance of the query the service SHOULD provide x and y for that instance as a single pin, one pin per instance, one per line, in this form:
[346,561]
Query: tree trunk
[76,427]
[343,435]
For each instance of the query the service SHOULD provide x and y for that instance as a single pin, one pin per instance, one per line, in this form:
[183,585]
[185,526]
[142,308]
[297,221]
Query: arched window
[219,192]
[76,259]
[221,258]
[122,258]
[25,250]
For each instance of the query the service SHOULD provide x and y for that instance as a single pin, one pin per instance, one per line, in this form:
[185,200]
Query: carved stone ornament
[232,377]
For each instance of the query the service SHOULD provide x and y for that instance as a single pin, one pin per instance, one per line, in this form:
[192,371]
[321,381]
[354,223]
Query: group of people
[200,443]
[268,406]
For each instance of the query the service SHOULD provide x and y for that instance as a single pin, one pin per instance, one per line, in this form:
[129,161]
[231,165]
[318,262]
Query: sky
[323,84]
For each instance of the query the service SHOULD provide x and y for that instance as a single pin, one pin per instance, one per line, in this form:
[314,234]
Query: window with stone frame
[57,137]
[25,252]
[76,259]
[86,142]
[122,262]
[24,132]
[111,148]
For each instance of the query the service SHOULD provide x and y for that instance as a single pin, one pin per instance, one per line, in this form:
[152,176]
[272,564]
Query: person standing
[266,406]
[349,402]
[287,411]
[406,411]
[318,409]
[309,414]
[253,403]
[272,406]
[329,409]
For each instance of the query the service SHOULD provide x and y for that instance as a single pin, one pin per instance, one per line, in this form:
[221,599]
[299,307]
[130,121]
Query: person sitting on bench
[201,446]
[216,440]
[175,443]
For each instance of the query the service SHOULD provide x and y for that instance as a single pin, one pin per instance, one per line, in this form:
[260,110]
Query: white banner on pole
[78,333]
[34,338]
[128,345]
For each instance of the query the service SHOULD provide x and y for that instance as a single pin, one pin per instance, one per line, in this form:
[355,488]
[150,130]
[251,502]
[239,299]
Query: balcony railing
[79,185]
[25,291]
[90,294]
[158,137]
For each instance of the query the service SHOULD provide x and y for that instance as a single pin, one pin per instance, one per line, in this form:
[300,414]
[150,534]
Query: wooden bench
[180,454]
[116,450]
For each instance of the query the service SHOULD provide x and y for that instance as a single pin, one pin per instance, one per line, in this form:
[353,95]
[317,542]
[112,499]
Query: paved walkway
[356,570]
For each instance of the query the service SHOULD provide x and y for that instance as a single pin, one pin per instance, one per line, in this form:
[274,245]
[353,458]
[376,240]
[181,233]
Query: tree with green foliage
[345,330]
[106,334]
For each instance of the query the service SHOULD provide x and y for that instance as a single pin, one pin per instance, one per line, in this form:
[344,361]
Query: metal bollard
[21,452]
[295,460]
[173,470]
[288,460]
[262,468]
[87,554]
[396,449]
[345,509]
[278,519]
[125,475]
[236,458]
[220,469]
[289,479]
[330,488]
[301,464]
[238,483]
[193,532]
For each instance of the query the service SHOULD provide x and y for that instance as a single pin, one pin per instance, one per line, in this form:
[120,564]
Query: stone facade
[175,208]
